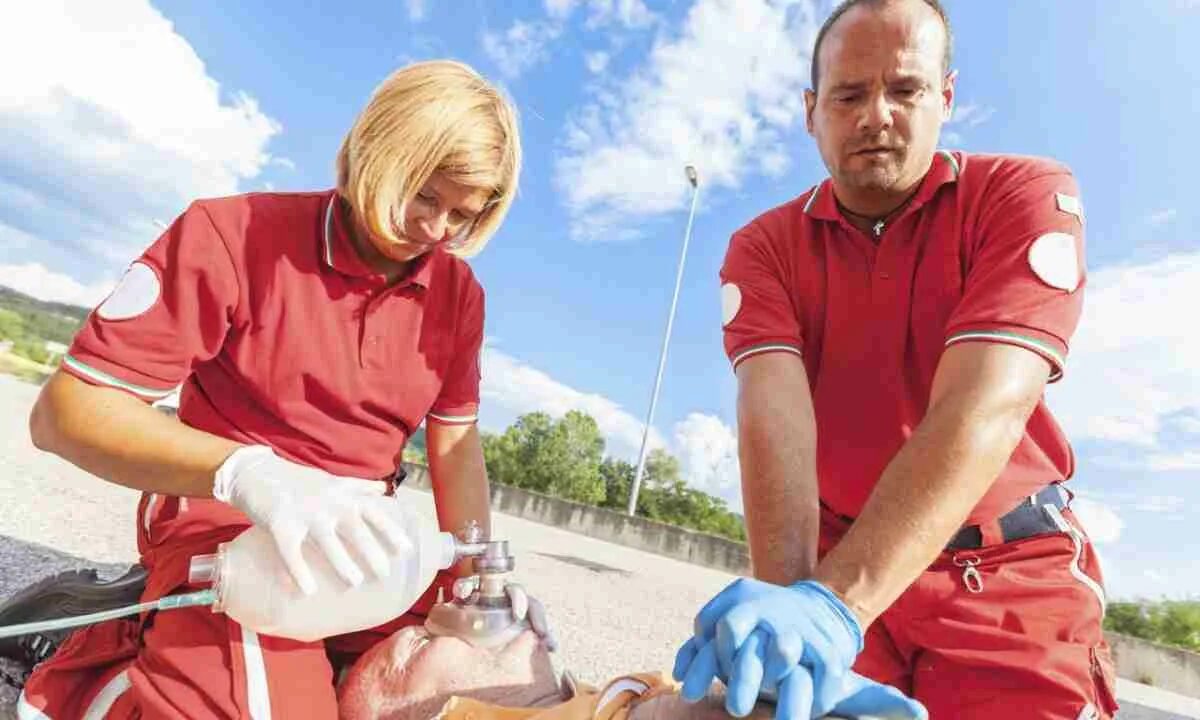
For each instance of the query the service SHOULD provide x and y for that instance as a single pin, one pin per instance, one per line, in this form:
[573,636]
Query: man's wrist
[856,615]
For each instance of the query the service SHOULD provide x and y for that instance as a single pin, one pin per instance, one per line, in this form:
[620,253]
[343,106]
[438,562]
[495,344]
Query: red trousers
[192,663]
[1021,639]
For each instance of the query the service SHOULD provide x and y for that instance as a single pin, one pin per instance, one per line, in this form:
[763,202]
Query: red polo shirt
[990,249]
[280,335]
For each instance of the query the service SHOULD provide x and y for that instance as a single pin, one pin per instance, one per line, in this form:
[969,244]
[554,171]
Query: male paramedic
[892,331]
[312,334]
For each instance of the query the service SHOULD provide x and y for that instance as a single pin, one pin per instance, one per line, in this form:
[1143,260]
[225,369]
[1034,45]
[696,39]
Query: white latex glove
[296,502]
[526,607]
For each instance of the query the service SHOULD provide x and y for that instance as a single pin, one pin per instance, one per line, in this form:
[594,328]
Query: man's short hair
[841,9]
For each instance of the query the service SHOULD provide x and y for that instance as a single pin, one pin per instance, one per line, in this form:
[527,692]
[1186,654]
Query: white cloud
[1101,521]
[724,89]
[1159,504]
[520,47]
[1187,460]
[527,42]
[966,115]
[111,121]
[12,238]
[1132,501]
[519,388]
[416,10]
[1187,424]
[707,452]
[1162,217]
[627,13]
[971,114]
[1154,576]
[283,163]
[36,281]
[596,61]
[1132,367]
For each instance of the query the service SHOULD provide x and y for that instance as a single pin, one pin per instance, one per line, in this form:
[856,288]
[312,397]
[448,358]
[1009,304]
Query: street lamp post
[694,180]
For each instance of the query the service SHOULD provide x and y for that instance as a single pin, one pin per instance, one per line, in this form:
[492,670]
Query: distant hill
[46,320]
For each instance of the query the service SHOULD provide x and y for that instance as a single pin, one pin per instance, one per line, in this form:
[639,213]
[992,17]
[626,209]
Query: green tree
[1169,623]
[31,349]
[565,459]
[1179,625]
[617,476]
[560,458]
[12,327]
[1129,618]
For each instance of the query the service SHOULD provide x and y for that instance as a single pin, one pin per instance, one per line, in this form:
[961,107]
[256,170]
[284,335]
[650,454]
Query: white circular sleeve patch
[1055,260]
[731,302]
[135,294]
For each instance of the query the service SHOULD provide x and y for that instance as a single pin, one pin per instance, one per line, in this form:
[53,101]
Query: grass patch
[24,369]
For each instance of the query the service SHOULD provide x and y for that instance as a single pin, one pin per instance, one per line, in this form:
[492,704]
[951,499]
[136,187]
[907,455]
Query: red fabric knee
[88,673]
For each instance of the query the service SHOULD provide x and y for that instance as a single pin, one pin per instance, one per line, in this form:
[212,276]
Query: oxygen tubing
[170,602]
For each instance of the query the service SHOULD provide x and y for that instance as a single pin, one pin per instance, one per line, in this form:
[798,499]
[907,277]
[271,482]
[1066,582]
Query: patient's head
[411,675]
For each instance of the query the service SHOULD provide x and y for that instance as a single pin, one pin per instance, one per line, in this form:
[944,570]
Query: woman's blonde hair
[435,116]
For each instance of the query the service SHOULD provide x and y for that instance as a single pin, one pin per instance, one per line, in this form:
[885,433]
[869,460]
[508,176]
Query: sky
[125,111]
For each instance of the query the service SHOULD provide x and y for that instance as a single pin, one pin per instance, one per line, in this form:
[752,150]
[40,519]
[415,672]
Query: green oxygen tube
[170,602]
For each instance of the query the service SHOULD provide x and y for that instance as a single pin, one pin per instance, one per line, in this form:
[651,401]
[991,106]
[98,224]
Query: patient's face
[411,675]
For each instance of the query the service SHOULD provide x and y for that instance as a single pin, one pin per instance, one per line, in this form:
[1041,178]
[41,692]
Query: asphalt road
[614,610]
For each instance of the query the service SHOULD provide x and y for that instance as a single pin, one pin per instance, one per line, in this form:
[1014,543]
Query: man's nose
[876,114]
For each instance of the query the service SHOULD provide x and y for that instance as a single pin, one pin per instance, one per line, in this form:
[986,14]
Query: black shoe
[75,592]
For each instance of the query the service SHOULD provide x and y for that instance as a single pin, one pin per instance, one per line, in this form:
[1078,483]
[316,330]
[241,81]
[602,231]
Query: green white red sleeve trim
[1048,350]
[458,419]
[761,348]
[98,377]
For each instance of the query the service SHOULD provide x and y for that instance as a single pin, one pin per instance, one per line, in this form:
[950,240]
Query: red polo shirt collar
[338,252]
[822,204]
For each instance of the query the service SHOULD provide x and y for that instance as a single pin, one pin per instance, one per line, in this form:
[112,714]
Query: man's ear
[948,94]
[810,105]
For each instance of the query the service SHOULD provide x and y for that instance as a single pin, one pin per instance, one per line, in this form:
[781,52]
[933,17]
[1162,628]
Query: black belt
[1025,520]
[394,480]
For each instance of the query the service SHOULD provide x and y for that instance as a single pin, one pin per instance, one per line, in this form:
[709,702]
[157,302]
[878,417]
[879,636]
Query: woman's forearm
[119,438]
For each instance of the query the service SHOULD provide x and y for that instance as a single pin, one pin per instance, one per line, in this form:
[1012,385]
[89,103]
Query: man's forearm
[777,453]
[921,500]
[119,438]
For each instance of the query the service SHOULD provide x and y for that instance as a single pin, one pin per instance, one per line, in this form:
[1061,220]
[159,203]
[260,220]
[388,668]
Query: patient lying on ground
[414,676]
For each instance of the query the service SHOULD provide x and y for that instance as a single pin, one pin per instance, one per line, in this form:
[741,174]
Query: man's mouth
[876,151]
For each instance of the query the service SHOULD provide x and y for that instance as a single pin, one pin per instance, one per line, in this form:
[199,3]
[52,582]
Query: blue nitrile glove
[863,697]
[855,696]
[753,634]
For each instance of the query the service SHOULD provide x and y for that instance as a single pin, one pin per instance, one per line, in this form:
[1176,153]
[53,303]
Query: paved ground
[615,610]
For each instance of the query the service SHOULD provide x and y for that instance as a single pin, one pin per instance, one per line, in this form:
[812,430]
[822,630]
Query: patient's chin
[411,675]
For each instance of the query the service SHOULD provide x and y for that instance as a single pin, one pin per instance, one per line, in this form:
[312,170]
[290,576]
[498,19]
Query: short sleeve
[757,312]
[171,309]
[458,401]
[1025,282]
